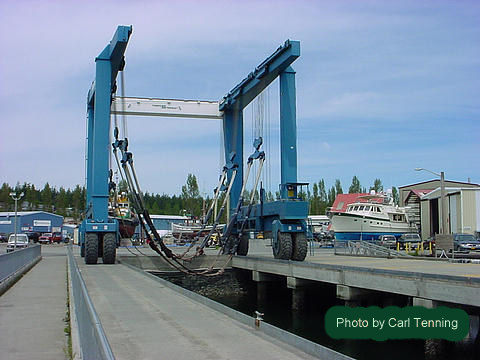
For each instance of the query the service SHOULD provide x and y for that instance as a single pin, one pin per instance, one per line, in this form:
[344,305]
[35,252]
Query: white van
[22,242]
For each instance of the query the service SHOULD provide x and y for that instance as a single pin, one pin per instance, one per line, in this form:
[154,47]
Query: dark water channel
[236,290]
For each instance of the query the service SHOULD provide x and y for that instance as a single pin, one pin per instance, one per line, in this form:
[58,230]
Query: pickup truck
[49,238]
[21,243]
[46,238]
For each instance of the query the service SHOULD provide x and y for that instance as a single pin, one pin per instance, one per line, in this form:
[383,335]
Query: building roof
[435,194]
[435,180]
[24,213]
[343,200]
[418,192]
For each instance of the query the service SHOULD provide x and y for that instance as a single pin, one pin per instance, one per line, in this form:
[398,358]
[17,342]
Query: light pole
[443,206]
[16,198]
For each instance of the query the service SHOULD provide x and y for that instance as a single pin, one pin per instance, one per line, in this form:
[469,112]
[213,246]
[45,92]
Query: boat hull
[354,227]
[127,227]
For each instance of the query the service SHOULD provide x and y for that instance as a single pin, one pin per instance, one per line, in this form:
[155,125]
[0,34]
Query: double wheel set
[290,246]
[99,245]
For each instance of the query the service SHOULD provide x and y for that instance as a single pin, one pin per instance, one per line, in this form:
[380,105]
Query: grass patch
[67,329]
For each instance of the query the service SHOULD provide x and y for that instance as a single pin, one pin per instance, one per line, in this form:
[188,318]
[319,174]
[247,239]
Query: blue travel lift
[284,219]
[99,233]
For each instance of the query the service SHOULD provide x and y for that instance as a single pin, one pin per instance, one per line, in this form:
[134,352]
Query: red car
[57,237]
[49,238]
[46,238]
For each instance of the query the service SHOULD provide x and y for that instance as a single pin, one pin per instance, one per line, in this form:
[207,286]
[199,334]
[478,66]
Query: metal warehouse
[463,211]
[30,221]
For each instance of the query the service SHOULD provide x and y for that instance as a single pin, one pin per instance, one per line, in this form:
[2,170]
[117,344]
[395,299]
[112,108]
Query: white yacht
[370,217]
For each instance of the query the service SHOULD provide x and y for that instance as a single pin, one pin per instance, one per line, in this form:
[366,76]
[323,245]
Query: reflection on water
[274,300]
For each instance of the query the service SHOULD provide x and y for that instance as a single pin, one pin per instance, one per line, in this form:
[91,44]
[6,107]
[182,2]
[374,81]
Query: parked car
[46,238]
[465,242]
[57,237]
[3,237]
[411,238]
[33,236]
[21,242]
[389,241]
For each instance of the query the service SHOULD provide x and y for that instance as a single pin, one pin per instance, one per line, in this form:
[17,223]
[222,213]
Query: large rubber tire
[282,248]
[109,248]
[91,248]
[82,250]
[242,248]
[300,247]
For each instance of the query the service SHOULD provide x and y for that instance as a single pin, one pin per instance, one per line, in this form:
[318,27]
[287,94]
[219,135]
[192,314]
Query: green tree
[191,195]
[355,187]
[5,199]
[323,197]
[61,201]
[338,187]
[315,201]
[47,197]
[377,186]
[331,196]
[395,195]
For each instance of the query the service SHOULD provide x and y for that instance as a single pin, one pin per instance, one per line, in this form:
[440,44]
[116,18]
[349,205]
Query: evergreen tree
[61,201]
[331,196]
[315,202]
[355,187]
[377,186]
[47,197]
[191,196]
[338,187]
[395,195]
[323,198]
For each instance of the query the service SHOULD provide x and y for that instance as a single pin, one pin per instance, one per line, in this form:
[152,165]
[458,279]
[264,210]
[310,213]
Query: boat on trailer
[121,211]
[369,218]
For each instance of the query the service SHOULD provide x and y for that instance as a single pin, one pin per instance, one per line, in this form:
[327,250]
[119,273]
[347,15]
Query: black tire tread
[242,248]
[285,246]
[91,248]
[109,248]
[300,247]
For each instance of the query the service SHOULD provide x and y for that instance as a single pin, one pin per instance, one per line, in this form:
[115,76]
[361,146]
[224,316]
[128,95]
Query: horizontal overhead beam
[242,94]
[166,107]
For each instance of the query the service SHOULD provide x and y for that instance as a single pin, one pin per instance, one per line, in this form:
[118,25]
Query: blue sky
[382,86]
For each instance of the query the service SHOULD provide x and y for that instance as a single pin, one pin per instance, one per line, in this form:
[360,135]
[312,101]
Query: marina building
[30,221]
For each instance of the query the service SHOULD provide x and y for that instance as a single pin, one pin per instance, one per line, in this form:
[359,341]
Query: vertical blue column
[288,129]
[101,139]
[89,158]
[233,141]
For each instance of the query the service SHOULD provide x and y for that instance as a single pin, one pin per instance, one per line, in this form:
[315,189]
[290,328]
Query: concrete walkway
[146,320]
[32,311]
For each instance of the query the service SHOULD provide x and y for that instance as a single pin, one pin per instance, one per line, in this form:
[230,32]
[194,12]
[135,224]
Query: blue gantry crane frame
[98,232]
[283,218]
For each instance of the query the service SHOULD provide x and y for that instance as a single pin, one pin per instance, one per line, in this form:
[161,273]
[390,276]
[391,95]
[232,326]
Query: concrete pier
[445,282]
